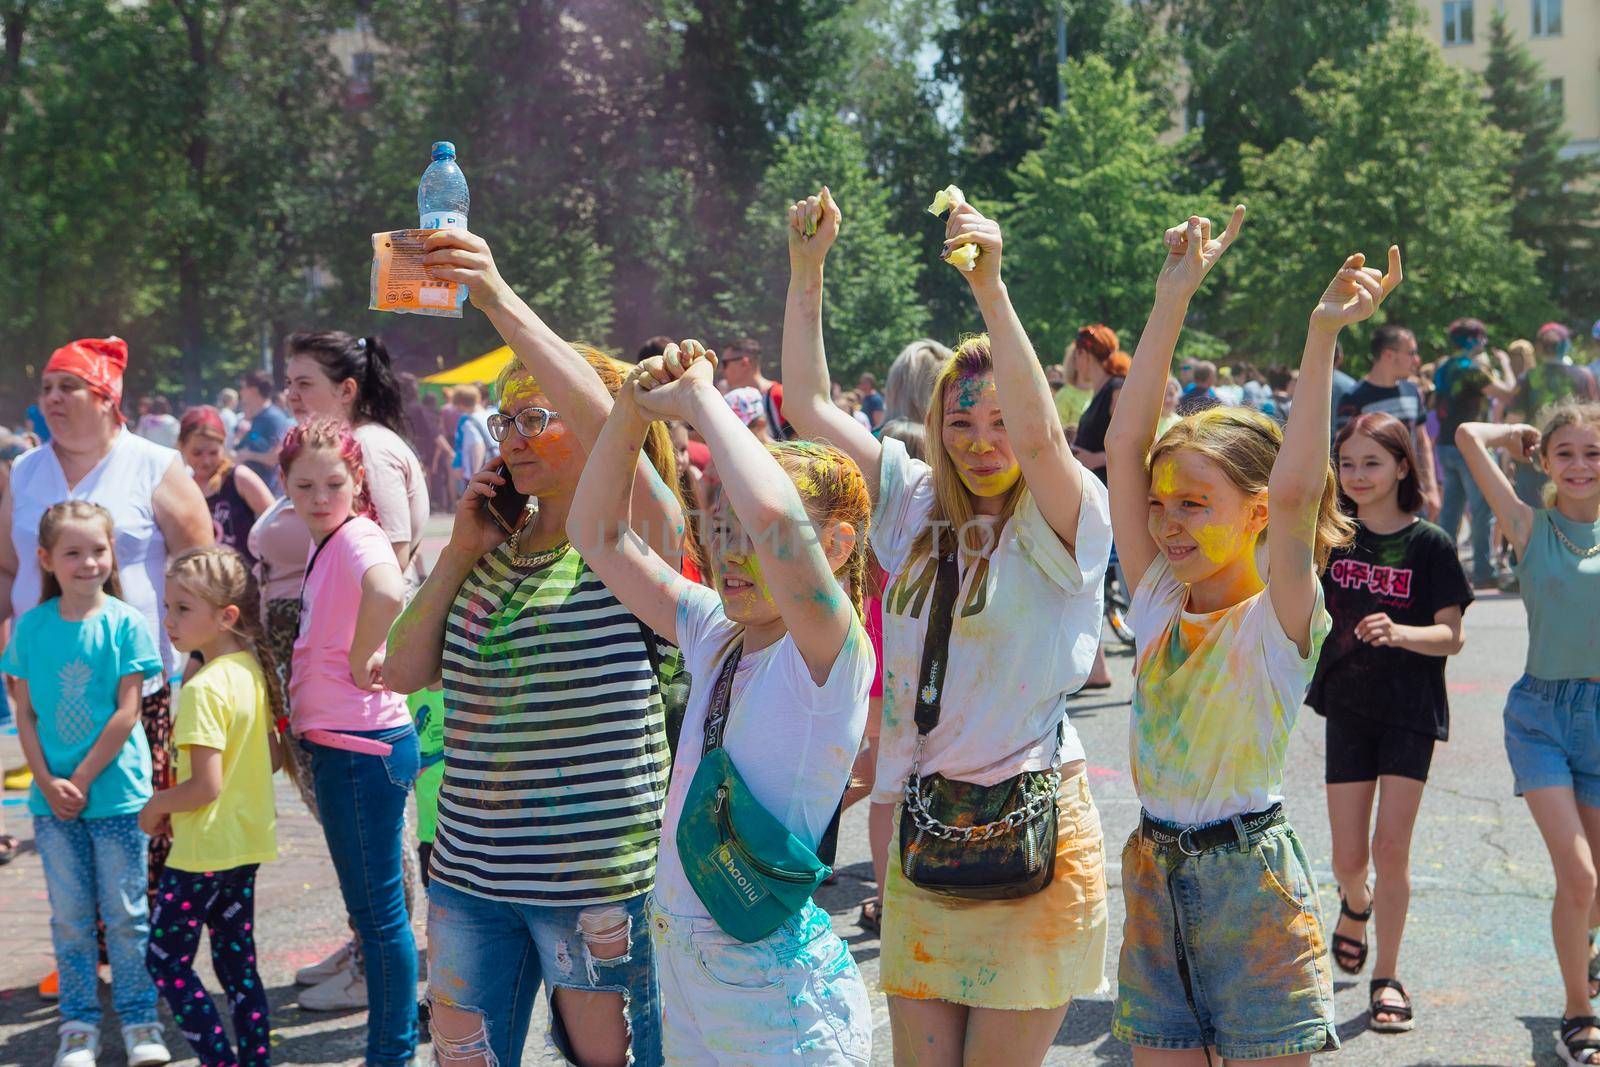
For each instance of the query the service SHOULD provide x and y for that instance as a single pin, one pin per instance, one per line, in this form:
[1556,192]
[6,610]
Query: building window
[1547,18]
[361,65]
[1194,116]
[1556,89]
[1458,22]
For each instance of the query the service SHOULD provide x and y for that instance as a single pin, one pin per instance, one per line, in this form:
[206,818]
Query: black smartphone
[508,507]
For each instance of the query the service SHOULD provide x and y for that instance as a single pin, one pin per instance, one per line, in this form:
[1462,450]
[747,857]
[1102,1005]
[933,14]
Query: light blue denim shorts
[1553,736]
[794,997]
[1253,939]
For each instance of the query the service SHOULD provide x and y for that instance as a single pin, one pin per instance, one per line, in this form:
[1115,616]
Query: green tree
[1404,154]
[871,310]
[1556,197]
[1091,204]
[1247,59]
[1002,56]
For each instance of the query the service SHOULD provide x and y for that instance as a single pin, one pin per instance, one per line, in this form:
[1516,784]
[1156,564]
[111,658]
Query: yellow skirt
[1033,952]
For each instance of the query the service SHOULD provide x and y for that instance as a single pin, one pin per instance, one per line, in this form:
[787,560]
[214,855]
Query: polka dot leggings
[222,902]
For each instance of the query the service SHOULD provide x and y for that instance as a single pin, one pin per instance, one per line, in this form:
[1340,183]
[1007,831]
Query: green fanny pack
[748,870]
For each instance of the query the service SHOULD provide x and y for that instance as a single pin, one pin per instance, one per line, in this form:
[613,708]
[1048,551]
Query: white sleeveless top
[124,483]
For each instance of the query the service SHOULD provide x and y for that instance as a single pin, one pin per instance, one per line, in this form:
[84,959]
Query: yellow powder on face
[1166,477]
[1218,543]
[519,387]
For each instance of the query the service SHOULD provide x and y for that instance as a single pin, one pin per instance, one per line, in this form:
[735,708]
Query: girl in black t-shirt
[1396,596]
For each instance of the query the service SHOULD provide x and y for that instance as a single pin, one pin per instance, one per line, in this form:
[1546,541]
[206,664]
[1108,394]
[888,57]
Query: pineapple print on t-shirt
[73,669]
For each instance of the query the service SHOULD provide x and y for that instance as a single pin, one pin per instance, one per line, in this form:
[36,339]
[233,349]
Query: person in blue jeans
[356,730]
[80,659]
[1462,388]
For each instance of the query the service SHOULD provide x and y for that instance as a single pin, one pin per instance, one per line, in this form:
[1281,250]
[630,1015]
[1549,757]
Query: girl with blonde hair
[996,548]
[1223,946]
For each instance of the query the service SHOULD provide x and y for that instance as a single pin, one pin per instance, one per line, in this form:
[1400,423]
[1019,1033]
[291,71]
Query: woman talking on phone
[554,733]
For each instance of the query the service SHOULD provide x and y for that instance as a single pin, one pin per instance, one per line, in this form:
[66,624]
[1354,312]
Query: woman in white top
[968,979]
[349,378]
[157,508]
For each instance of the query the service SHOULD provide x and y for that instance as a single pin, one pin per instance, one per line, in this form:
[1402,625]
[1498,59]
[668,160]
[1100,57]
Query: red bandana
[99,361]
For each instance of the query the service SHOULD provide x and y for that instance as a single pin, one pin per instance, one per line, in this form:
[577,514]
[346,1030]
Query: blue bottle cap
[444,150]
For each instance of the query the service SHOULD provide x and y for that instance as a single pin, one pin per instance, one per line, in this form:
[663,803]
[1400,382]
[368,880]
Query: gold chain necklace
[1581,553]
[536,560]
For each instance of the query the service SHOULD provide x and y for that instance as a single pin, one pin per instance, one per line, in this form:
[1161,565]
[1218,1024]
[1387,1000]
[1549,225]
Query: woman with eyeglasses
[555,742]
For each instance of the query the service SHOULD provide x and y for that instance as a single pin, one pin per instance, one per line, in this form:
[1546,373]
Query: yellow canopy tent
[484,370]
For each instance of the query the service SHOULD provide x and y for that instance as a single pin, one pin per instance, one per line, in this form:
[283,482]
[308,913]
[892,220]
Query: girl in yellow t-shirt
[220,814]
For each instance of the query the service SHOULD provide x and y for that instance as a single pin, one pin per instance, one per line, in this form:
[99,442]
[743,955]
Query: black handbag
[994,842]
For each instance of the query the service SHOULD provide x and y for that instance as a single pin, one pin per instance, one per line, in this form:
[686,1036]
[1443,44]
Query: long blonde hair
[1245,445]
[952,500]
[219,575]
[50,525]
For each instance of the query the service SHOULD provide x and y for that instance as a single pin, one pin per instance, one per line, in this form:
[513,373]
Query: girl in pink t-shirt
[358,734]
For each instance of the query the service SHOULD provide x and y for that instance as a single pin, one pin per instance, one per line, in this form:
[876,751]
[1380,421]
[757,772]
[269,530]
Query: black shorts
[1362,750]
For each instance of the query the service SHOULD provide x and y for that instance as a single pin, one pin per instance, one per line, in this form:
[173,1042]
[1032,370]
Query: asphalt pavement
[1477,958]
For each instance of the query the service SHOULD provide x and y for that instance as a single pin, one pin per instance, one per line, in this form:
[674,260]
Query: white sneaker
[343,958]
[345,991]
[145,1045]
[80,1044]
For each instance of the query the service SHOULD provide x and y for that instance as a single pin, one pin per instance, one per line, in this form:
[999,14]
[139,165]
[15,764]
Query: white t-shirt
[398,487]
[1216,698]
[793,741]
[1026,627]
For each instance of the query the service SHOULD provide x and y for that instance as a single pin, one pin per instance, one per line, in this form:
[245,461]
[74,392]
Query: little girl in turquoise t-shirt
[80,659]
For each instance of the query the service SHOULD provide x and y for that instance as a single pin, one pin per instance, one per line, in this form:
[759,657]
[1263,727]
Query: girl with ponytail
[349,378]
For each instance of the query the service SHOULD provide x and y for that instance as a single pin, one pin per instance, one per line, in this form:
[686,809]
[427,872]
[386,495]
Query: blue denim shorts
[794,997]
[1553,736]
[490,957]
[1252,932]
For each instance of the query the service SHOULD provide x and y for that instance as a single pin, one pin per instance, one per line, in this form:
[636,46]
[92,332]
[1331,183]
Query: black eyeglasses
[530,423]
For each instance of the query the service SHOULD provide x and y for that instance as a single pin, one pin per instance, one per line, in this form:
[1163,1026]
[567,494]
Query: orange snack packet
[400,282]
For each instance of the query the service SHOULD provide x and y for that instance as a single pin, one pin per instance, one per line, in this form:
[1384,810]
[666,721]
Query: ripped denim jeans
[490,957]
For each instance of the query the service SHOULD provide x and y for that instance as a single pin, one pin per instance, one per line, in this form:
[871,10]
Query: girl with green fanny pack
[750,969]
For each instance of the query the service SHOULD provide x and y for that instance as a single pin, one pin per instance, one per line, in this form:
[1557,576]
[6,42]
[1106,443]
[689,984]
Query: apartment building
[1563,35]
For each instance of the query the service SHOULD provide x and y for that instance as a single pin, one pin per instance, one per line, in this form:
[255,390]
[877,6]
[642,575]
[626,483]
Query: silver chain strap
[917,804]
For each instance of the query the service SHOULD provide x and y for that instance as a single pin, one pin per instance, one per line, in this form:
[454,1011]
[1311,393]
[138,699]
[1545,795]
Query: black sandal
[1400,1017]
[871,917]
[1345,948]
[1575,1050]
[8,849]
[1594,967]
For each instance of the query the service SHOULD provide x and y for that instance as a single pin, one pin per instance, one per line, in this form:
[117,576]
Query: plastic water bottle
[442,198]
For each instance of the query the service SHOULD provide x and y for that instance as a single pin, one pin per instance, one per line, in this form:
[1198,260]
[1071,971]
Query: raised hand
[459,256]
[813,227]
[1192,252]
[1357,290]
[664,386]
[1520,440]
[969,228]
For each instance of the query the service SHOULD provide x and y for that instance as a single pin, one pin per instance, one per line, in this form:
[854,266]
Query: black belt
[1193,840]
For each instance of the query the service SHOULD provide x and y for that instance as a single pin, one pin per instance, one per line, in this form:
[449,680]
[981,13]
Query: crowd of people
[662,571]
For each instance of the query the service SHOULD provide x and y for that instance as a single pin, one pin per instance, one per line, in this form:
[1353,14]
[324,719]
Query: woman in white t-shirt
[349,378]
[993,977]
[790,578]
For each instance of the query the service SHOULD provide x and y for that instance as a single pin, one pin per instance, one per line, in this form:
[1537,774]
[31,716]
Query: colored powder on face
[520,387]
[989,485]
[1219,543]
[969,391]
[1166,480]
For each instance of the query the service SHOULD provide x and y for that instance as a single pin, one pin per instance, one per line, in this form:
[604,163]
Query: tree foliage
[1404,154]
[1556,195]
[871,309]
[1091,204]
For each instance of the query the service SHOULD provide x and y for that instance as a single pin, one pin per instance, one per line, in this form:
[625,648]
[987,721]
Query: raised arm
[1191,253]
[807,395]
[795,566]
[1053,474]
[1477,440]
[1300,473]
[565,377]
[599,523]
